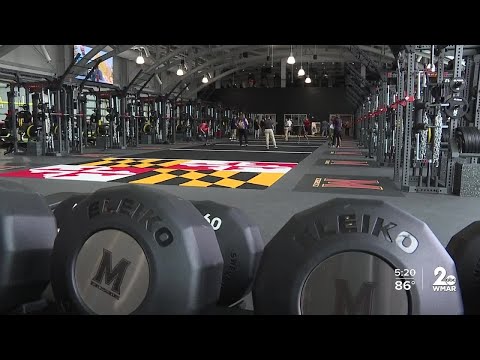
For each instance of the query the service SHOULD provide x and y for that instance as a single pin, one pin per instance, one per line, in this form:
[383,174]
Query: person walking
[242,126]
[325,126]
[204,131]
[269,133]
[306,129]
[256,128]
[337,131]
[348,125]
[233,129]
[287,128]
[331,129]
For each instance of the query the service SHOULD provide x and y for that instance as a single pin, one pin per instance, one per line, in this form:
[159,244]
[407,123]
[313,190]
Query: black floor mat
[348,185]
[242,154]
[293,148]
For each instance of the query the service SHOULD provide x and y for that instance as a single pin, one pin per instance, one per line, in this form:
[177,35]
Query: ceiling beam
[167,57]
[365,59]
[5,49]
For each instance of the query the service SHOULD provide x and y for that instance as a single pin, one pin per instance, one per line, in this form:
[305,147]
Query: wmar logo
[106,276]
[444,282]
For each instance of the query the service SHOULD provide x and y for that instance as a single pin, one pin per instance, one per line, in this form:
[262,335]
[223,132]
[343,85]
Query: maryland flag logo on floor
[192,173]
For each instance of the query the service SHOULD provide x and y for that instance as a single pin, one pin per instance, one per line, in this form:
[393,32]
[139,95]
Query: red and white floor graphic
[198,173]
[77,172]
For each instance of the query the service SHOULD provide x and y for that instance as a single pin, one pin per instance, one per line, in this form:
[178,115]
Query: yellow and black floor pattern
[181,172]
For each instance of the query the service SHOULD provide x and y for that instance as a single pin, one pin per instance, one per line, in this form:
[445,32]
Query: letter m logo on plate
[107,279]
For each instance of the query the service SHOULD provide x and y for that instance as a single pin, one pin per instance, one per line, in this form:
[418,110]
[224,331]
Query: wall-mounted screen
[104,72]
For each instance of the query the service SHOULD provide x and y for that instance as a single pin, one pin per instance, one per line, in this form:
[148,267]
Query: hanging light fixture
[301,72]
[205,79]
[140,60]
[180,68]
[307,79]
[272,56]
[291,59]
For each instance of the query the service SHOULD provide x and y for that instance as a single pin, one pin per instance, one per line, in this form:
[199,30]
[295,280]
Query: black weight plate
[27,234]
[65,208]
[471,139]
[55,199]
[456,103]
[241,244]
[464,247]
[341,257]
[468,139]
[457,85]
[136,250]
[476,138]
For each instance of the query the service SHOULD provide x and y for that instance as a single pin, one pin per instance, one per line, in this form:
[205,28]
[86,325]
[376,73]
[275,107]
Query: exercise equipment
[457,84]
[134,250]
[456,107]
[24,258]
[62,205]
[241,245]
[468,139]
[239,238]
[464,247]
[352,256]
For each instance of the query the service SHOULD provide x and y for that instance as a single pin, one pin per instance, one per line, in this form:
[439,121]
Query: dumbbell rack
[90,253]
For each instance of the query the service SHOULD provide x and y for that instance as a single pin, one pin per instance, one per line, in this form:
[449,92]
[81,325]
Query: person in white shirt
[288,128]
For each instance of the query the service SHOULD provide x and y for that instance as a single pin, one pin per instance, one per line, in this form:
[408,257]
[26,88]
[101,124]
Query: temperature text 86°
[404,284]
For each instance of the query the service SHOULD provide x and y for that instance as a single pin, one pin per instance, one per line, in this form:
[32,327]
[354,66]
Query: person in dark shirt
[233,129]
[269,133]
[256,128]
[306,128]
[324,128]
[348,125]
[242,126]
[204,131]
[337,131]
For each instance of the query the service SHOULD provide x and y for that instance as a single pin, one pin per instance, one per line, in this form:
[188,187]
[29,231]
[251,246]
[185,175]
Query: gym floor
[267,184]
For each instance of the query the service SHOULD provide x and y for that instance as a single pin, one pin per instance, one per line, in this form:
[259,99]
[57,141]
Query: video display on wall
[104,72]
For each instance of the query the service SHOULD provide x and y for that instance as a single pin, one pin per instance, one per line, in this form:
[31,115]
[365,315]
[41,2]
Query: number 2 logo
[440,272]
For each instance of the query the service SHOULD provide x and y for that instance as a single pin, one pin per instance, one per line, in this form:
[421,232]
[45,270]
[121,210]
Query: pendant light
[291,59]
[301,72]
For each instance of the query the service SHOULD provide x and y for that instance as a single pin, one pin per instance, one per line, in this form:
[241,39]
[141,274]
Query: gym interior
[339,179]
